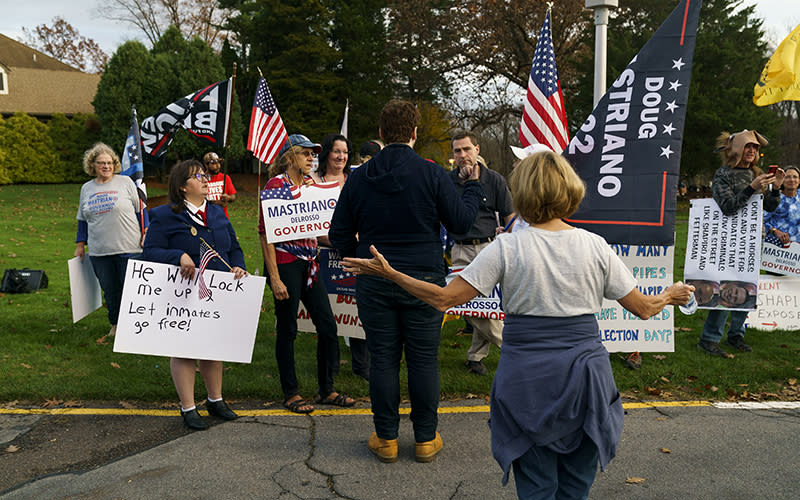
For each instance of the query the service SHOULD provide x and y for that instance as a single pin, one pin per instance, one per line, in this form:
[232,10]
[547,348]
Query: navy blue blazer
[170,235]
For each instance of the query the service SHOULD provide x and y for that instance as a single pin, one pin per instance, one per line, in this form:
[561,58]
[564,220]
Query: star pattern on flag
[674,85]
[678,64]
[668,129]
[666,151]
[671,106]
[280,193]
[544,63]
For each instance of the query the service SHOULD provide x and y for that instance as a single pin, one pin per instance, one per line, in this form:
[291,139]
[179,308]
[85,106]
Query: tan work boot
[384,449]
[426,451]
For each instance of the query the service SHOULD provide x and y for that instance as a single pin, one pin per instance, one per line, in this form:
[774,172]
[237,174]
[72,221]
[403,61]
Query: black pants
[294,276]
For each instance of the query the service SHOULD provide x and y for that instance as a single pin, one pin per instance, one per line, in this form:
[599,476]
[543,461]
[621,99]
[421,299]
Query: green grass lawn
[44,356]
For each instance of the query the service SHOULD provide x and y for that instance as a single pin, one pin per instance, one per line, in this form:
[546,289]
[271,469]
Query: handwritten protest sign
[778,304]
[781,259]
[298,212]
[84,289]
[162,315]
[723,254]
[623,331]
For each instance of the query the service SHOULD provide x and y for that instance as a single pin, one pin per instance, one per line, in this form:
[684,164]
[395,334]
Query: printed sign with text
[298,212]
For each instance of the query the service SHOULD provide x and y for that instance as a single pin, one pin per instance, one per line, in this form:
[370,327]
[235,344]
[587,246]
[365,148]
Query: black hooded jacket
[396,201]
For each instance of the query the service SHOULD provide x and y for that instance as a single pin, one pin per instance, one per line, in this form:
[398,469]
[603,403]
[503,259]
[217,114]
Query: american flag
[544,120]
[207,254]
[281,193]
[267,133]
[774,240]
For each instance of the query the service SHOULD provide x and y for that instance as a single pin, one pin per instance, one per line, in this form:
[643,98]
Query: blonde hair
[91,155]
[544,186]
[282,163]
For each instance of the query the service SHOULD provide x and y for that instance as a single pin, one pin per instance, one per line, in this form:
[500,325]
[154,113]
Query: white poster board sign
[298,212]
[162,315]
[623,331]
[723,255]
[778,304]
[84,289]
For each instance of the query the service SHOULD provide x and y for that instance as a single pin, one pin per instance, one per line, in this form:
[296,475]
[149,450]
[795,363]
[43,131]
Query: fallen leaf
[10,404]
[792,381]
[713,388]
[48,403]
[12,449]
[661,419]
[101,340]
[635,480]
[126,405]
[26,365]
[655,391]
[72,404]
[659,356]
[685,329]
[665,379]
[48,346]
[114,365]
[666,450]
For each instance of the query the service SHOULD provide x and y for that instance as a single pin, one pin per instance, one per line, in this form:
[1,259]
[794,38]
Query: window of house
[3,81]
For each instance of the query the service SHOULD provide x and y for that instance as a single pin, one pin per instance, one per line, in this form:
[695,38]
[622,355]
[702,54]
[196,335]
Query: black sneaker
[739,344]
[477,367]
[193,420]
[711,348]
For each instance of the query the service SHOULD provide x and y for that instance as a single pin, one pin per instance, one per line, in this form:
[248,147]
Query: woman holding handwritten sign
[291,268]
[179,234]
[555,409]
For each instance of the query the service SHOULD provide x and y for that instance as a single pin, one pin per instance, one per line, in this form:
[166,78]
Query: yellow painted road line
[317,412]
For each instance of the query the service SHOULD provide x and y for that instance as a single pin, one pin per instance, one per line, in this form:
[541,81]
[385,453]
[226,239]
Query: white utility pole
[601,11]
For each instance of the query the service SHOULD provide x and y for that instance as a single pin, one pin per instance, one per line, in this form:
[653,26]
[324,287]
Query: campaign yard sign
[161,314]
[298,212]
[779,258]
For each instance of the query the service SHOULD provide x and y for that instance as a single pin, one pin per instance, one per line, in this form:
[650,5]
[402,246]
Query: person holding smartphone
[734,183]
[784,222]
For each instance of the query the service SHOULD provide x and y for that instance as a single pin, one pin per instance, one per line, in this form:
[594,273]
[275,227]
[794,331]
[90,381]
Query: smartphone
[772,170]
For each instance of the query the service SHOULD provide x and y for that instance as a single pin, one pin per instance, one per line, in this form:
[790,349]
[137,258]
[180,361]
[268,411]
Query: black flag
[629,150]
[204,114]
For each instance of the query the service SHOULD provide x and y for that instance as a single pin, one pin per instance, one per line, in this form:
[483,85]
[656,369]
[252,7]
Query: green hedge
[39,153]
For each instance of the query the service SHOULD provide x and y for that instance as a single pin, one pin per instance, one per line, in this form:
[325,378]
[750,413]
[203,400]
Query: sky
[780,17]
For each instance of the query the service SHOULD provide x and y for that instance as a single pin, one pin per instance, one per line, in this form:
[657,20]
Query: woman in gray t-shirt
[109,222]
[555,408]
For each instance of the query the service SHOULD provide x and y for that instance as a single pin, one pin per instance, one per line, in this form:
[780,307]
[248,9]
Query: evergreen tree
[150,80]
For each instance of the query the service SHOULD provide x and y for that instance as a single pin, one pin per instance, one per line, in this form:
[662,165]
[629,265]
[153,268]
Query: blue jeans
[396,322]
[543,474]
[294,276]
[110,272]
[715,324]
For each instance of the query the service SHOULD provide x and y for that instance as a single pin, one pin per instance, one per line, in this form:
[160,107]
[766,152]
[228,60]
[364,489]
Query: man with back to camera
[396,202]
[494,211]
[220,186]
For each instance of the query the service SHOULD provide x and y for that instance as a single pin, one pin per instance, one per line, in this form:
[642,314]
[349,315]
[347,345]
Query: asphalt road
[666,452]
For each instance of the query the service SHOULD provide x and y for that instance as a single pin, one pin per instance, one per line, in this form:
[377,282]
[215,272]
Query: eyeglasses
[199,177]
[340,152]
[307,154]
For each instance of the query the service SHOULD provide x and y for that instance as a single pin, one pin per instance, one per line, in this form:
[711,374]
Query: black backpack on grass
[23,281]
